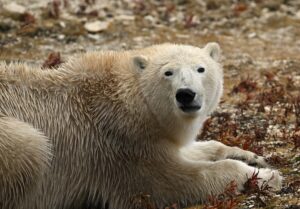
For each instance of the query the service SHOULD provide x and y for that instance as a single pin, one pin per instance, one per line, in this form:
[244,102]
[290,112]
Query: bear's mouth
[190,108]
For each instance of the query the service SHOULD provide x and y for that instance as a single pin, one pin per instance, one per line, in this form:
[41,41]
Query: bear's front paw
[270,177]
[258,161]
[250,158]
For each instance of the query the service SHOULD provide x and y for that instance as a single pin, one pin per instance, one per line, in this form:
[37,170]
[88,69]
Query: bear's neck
[122,118]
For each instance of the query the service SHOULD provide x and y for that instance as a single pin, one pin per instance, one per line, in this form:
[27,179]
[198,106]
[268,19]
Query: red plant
[28,18]
[54,9]
[296,138]
[189,21]
[226,200]
[139,6]
[269,76]
[53,60]
[277,160]
[174,206]
[142,201]
[251,186]
[239,8]
[245,86]
[250,144]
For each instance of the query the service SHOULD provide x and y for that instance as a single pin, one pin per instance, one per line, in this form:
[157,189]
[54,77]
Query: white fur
[183,62]
[116,131]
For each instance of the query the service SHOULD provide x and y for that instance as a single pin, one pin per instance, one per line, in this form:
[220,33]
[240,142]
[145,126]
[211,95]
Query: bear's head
[181,85]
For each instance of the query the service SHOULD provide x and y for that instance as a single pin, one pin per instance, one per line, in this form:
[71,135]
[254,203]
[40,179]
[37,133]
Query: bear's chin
[192,109]
[189,111]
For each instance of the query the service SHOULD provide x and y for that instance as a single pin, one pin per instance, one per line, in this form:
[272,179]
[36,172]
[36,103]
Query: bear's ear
[213,49]
[140,62]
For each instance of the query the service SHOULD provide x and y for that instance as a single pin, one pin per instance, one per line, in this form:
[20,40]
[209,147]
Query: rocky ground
[260,39]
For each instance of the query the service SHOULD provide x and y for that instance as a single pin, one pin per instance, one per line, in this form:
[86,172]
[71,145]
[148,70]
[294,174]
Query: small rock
[14,8]
[298,14]
[277,195]
[138,39]
[96,26]
[252,35]
[150,19]
[62,24]
[95,37]
[267,110]
[125,17]
[61,37]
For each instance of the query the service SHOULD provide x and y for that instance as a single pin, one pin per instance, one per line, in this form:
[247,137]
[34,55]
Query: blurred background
[260,39]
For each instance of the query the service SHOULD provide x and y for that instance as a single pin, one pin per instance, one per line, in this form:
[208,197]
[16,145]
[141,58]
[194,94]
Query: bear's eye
[201,70]
[168,73]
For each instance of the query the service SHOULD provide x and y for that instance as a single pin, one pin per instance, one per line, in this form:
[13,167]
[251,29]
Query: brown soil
[260,110]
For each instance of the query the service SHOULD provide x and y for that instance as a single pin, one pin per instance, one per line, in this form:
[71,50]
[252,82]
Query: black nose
[185,96]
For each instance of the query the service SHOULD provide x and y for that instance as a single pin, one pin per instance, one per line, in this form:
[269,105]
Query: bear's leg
[24,156]
[213,151]
[191,182]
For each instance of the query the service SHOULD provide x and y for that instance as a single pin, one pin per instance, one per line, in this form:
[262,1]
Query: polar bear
[122,124]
